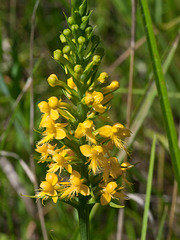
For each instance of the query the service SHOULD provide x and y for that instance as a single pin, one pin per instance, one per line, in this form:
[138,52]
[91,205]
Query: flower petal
[105,131]
[84,190]
[60,133]
[105,199]
[86,150]
[54,114]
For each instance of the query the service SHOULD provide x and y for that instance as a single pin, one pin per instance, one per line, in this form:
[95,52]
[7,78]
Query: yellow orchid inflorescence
[77,137]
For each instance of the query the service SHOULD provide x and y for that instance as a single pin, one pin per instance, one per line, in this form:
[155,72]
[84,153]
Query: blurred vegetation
[112,19]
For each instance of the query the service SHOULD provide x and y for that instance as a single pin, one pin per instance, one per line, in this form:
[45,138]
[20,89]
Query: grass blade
[162,223]
[148,191]
[162,91]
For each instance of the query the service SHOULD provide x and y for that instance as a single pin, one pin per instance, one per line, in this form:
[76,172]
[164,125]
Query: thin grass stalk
[129,101]
[148,191]
[162,223]
[172,211]
[31,130]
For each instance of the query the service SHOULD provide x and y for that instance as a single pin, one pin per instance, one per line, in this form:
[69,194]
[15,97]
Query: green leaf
[115,205]
[162,91]
[148,191]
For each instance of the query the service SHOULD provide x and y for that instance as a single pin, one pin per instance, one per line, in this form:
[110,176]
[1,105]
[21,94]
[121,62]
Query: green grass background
[112,19]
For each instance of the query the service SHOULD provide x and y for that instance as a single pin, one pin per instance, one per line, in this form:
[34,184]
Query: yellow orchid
[111,168]
[74,186]
[50,109]
[96,157]
[61,161]
[115,133]
[111,191]
[53,130]
[95,99]
[45,149]
[85,129]
[49,187]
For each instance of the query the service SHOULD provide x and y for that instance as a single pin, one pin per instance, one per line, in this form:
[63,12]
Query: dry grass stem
[31,130]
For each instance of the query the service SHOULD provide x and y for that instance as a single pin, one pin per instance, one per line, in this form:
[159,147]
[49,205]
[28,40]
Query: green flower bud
[62,38]
[67,32]
[88,31]
[83,8]
[74,27]
[57,54]
[53,80]
[96,60]
[78,69]
[81,40]
[84,18]
[70,20]
[66,49]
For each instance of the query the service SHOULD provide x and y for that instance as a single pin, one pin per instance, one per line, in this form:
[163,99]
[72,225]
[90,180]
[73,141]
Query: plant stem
[83,213]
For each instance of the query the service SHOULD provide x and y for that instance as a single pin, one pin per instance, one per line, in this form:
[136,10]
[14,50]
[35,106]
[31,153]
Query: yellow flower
[95,99]
[115,133]
[85,129]
[49,187]
[111,168]
[96,156]
[53,130]
[109,192]
[45,150]
[75,186]
[61,161]
[50,109]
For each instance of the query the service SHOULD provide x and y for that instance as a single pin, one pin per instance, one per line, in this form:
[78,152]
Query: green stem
[83,213]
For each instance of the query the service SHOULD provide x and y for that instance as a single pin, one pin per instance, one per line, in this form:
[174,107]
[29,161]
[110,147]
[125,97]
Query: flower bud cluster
[76,143]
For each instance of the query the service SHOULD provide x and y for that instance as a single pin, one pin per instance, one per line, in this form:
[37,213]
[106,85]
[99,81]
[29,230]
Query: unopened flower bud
[74,27]
[62,38]
[66,49]
[81,40]
[67,32]
[110,88]
[53,80]
[84,18]
[88,30]
[57,54]
[96,59]
[103,77]
[78,69]
[70,20]
[114,85]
